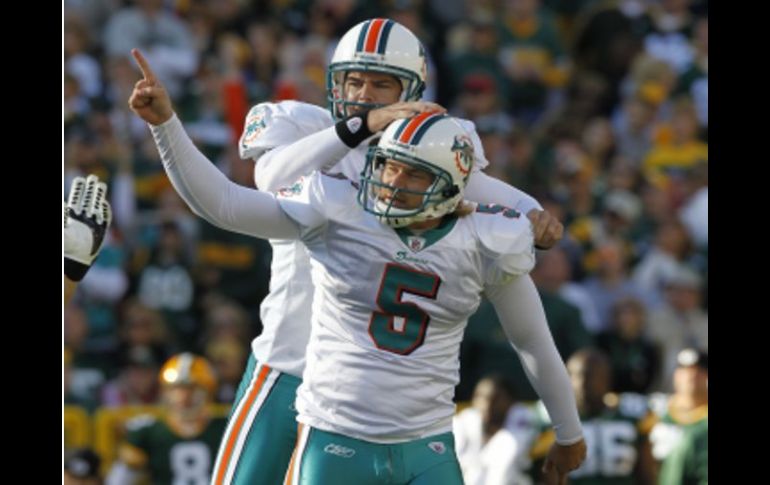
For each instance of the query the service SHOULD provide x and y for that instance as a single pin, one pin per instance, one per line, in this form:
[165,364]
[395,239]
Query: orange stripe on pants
[290,473]
[239,424]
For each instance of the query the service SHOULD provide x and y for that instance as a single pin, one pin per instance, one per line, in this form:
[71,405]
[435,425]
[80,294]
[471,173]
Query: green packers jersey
[172,459]
[612,440]
[688,463]
[680,442]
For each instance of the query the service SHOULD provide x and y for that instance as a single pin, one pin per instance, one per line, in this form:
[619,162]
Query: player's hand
[149,98]
[546,228]
[87,216]
[378,119]
[561,460]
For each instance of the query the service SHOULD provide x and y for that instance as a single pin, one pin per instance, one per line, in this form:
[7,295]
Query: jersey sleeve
[138,430]
[485,189]
[506,242]
[317,198]
[480,162]
[270,125]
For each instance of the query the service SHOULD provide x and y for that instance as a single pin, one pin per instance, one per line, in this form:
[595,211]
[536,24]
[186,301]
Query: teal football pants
[262,430]
[324,458]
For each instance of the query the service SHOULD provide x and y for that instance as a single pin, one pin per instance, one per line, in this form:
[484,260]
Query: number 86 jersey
[390,308]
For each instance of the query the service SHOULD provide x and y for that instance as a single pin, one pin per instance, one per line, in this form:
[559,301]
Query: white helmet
[379,45]
[433,142]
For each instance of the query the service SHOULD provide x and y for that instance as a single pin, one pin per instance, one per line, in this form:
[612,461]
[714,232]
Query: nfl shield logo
[437,446]
[415,243]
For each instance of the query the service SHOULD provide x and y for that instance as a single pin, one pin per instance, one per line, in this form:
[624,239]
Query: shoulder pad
[269,125]
[502,230]
[141,421]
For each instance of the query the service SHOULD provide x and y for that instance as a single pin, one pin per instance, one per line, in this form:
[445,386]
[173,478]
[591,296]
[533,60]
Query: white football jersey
[285,311]
[390,309]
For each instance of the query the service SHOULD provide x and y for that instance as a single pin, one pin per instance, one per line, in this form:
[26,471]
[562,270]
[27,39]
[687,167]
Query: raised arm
[281,164]
[522,317]
[203,187]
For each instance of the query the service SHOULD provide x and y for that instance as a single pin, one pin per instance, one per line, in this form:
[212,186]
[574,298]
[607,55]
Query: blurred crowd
[598,108]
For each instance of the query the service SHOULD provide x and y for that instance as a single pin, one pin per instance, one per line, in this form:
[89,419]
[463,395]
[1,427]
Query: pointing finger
[147,72]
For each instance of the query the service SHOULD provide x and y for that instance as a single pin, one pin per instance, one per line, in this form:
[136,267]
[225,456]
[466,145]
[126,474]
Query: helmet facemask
[186,401]
[440,198]
[411,86]
[376,45]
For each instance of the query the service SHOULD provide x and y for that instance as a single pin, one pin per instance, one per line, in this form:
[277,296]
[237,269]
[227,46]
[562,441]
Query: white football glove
[87,217]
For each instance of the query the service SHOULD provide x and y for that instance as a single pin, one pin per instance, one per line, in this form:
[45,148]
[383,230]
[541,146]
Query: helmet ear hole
[431,142]
[450,192]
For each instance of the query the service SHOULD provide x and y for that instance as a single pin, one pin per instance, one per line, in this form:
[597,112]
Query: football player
[680,438]
[180,446]
[400,262]
[379,62]
[616,427]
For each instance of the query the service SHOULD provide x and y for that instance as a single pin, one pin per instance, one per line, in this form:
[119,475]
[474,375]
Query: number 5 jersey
[390,308]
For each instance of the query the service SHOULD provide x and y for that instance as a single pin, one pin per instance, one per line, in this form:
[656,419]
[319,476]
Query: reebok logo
[339,450]
[354,124]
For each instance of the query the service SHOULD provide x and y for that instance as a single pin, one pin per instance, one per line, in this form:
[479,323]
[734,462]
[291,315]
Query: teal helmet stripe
[384,36]
[424,128]
[362,36]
